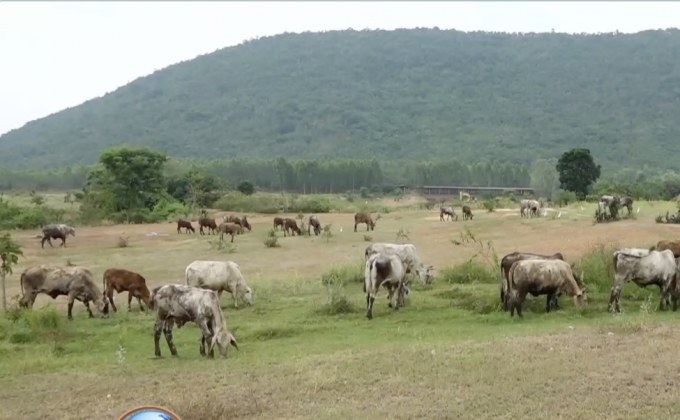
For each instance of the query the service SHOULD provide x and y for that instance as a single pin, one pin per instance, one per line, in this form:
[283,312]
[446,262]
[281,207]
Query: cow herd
[385,264]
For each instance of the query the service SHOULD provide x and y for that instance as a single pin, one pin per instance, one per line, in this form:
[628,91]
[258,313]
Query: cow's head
[581,298]
[102,305]
[426,274]
[70,231]
[248,296]
[223,339]
[246,224]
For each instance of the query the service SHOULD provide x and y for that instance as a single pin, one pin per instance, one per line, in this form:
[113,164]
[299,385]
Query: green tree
[9,254]
[129,179]
[246,187]
[577,171]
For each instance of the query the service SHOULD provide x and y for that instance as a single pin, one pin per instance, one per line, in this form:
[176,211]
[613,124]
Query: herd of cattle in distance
[386,265]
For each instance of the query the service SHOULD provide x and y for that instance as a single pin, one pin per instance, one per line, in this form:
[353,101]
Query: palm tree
[9,254]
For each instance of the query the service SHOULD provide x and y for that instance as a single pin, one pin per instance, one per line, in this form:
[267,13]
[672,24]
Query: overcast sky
[57,55]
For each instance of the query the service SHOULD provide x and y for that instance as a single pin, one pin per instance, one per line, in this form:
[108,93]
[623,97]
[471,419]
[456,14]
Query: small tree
[9,254]
[246,187]
[577,171]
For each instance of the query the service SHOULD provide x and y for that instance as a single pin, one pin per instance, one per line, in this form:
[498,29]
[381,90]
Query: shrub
[471,271]
[223,246]
[368,238]
[402,235]
[246,187]
[168,209]
[344,275]
[335,281]
[271,241]
[123,242]
[489,205]
[596,267]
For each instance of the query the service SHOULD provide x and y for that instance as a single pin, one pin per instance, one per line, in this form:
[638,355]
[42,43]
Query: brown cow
[75,282]
[181,223]
[363,217]
[230,229]
[243,222]
[510,259]
[122,280]
[278,221]
[669,244]
[467,213]
[207,222]
[314,222]
[291,224]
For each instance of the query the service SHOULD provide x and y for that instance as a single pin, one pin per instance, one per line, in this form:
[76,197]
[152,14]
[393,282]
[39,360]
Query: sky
[56,55]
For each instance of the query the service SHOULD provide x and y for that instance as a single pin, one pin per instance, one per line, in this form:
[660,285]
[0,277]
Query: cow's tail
[104,281]
[21,282]
[615,259]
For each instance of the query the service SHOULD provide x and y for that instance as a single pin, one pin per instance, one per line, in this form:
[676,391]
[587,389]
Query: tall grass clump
[596,267]
[471,271]
[271,240]
[31,326]
[335,280]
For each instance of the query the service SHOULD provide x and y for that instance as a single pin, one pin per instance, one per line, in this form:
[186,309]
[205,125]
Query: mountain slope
[415,94]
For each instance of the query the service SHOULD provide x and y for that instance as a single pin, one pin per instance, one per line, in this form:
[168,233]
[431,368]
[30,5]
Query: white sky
[55,55]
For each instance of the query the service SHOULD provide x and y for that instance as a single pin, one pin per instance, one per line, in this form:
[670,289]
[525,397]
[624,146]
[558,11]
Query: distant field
[450,353]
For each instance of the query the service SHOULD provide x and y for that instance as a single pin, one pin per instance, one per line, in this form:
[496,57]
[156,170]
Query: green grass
[308,351]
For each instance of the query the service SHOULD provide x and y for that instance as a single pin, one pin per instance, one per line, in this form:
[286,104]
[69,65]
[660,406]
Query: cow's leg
[370,298]
[141,305]
[109,294]
[206,337]
[63,242]
[355,226]
[615,295]
[129,300]
[49,241]
[232,237]
[157,328]
[71,299]
[233,295]
[167,330]
[87,306]
[390,292]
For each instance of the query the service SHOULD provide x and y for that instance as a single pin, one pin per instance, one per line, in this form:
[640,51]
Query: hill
[407,94]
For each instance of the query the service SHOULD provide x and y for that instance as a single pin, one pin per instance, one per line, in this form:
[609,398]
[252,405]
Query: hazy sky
[56,55]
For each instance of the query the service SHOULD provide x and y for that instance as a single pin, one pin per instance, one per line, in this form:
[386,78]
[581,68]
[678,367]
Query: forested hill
[418,94]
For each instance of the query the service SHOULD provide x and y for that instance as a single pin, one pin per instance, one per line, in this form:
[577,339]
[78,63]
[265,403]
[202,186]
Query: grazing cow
[278,221]
[242,222]
[507,262]
[363,217]
[290,225]
[56,231]
[122,280]
[408,255]
[207,222]
[532,206]
[219,276]
[75,282]
[540,277]
[449,212]
[644,268]
[181,223]
[668,244]
[177,303]
[387,270]
[467,213]
[621,201]
[230,229]
[315,223]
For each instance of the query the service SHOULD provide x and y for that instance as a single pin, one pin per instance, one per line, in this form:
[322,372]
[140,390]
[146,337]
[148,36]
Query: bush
[490,205]
[471,271]
[123,242]
[344,275]
[246,187]
[271,241]
[596,267]
[563,198]
[13,216]
[168,209]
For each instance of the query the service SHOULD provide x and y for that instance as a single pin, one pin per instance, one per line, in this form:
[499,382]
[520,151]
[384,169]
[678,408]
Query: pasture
[450,353]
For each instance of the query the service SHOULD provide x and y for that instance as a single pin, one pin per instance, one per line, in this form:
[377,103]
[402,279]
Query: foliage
[193,188]
[17,217]
[224,246]
[271,241]
[489,205]
[596,267]
[232,101]
[37,199]
[246,187]
[123,241]
[368,238]
[563,198]
[10,252]
[577,171]
[129,182]
[544,178]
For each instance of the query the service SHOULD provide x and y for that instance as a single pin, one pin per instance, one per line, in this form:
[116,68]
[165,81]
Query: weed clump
[271,241]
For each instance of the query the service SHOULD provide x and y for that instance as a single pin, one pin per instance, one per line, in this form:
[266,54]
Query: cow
[219,276]
[540,277]
[290,225]
[533,207]
[56,231]
[121,280]
[207,222]
[449,212]
[467,213]
[75,282]
[186,225]
[644,268]
[408,255]
[315,223]
[278,221]
[363,217]
[230,229]
[242,222]
[387,270]
[177,303]
[507,262]
[627,202]
[668,244]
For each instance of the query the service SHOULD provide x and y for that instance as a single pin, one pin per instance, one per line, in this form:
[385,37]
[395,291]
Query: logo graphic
[149,412]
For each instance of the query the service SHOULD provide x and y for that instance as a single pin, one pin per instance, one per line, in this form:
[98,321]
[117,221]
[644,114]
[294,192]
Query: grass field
[450,353]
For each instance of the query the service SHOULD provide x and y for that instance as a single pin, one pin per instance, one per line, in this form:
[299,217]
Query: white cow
[219,276]
[644,268]
[177,303]
[409,256]
[387,270]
